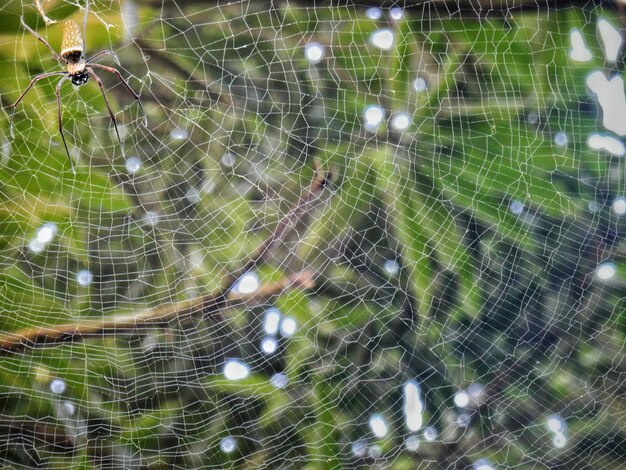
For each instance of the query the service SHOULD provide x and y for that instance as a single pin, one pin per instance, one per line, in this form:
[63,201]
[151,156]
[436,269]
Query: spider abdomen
[79,78]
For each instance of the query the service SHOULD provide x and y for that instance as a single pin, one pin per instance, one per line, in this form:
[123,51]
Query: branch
[161,316]
[208,305]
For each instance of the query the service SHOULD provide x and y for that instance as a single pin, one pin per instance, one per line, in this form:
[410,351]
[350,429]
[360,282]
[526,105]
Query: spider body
[78,71]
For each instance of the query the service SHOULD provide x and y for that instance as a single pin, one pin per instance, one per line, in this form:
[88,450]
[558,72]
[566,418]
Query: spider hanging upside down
[77,70]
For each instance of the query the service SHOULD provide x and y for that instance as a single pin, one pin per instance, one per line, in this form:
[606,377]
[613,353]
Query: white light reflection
[58,386]
[611,39]
[413,406]
[84,277]
[419,84]
[228,445]
[396,13]
[288,327]
[392,267]
[248,283]
[179,134]
[611,99]
[619,206]
[269,345]
[374,115]
[461,399]
[606,270]
[382,39]
[555,423]
[271,321]
[560,139]
[579,51]
[430,434]
[401,121]
[374,13]
[378,425]
[133,164]
[412,443]
[314,52]
[46,232]
[559,440]
[482,464]
[236,370]
[606,142]
[516,207]
[279,380]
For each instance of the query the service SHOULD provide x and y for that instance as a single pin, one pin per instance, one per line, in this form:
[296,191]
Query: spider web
[397,231]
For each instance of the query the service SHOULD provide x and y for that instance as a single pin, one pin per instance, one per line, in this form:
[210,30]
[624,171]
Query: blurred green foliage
[482,294]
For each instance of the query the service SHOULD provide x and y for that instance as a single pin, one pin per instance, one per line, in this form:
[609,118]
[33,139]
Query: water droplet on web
[248,283]
[391,267]
[179,134]
[374,13]
[229,160]
[560,139]
[269,345]
[396,13]
[593,207]
[279,380]
[271,321]
[611,39]
[559,440]
[133,164]
[373,115]
[401,121]
[236,370]
[58,386]
[555,423]
[516,207]
[412,443]
[419,84]
[461,399]
[579,51]
[84,277]
[378,425]
[228,445]
[288,327]
[619,205]
[382,39]
[606,142]
[430,434]
[606,270]
[314,52]
[413,406]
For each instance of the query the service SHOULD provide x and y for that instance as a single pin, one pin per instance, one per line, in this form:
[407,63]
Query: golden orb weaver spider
[77,70]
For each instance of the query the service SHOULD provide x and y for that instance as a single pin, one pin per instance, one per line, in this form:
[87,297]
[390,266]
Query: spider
[78,71]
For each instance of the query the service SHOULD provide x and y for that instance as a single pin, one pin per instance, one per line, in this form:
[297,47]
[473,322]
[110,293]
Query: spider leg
[32,83]
[106,100]
[119,75]
[34,33]
[57,91]
[100,54]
